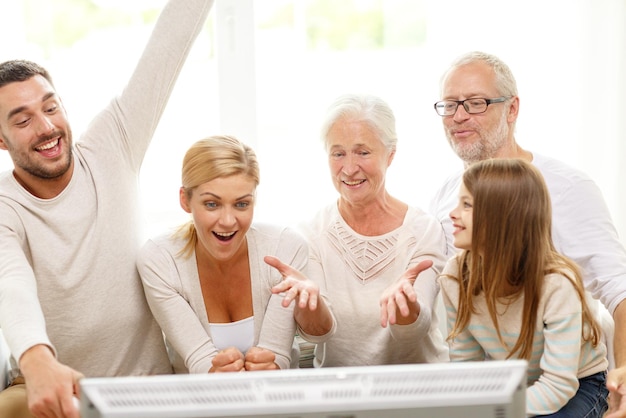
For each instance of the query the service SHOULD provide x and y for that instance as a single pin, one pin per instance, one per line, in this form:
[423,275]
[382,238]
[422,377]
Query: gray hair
[366,108]
[505,81]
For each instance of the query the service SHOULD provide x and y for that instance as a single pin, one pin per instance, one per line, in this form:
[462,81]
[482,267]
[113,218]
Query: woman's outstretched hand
[311,312]
[295,286]
[398,303]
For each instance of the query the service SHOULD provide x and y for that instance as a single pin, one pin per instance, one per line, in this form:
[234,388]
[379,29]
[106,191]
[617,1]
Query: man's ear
[184,202]
[513,110]
[3,144]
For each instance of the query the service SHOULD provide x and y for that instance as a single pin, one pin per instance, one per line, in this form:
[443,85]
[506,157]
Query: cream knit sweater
[67,264]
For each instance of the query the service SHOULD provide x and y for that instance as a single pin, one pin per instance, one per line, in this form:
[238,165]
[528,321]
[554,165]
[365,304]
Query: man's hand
[616,383]
[228,360]
[50,385]
[398,303]
[258,358]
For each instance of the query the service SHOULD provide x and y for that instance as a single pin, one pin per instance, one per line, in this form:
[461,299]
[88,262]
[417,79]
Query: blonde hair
[210,158]
[512,247]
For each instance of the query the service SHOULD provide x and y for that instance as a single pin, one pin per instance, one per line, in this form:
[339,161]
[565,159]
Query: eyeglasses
[471,106]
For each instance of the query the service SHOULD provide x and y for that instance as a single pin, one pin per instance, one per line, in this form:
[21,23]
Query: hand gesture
[311,312]
[295,285]
[228,360]
[258,358]
[616,383]
[398,303]
[51,387]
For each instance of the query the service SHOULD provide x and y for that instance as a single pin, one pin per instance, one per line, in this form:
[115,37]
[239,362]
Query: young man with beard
[71,302]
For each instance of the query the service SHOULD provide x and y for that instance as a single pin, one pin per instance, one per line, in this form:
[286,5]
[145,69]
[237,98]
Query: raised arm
[129,123]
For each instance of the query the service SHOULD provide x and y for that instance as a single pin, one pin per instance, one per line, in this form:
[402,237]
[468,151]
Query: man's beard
[487,146]
[41,170]
[48,174]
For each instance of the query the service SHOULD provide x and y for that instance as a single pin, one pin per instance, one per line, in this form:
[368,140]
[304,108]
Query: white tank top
[239,334]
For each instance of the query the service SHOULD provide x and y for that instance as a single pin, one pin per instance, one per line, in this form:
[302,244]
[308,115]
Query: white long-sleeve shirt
[67,265]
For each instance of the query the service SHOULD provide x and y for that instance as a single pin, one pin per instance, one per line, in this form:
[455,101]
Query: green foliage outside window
[365,24]
[329,24]
[57,24]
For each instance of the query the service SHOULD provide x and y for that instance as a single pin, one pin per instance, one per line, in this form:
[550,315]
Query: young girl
[509,294]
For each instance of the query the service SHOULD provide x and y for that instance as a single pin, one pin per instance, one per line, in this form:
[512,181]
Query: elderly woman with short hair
[367,242]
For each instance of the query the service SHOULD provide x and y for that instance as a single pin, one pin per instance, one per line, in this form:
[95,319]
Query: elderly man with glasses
[479,107]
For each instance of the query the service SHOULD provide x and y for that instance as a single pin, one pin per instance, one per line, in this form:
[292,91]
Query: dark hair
[21,70]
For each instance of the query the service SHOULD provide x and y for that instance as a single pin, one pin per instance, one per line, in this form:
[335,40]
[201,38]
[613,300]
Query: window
[307,52]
